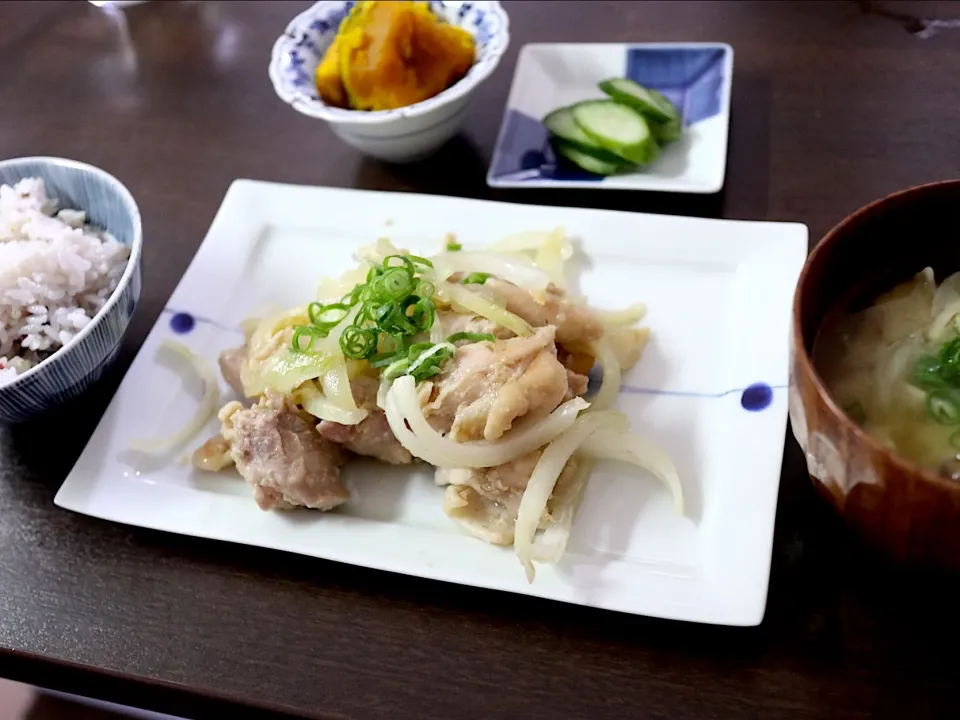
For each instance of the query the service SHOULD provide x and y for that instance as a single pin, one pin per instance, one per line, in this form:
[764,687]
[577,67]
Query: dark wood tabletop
[834,104]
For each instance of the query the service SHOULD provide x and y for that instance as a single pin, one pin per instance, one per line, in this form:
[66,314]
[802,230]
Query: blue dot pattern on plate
[182,323]
[757,397]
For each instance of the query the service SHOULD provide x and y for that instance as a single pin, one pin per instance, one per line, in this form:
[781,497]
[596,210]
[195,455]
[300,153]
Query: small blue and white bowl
[82,361]
[406,134]
[696,77]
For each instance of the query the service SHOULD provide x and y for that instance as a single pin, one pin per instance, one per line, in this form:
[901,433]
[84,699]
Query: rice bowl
[56,272]
[70,242]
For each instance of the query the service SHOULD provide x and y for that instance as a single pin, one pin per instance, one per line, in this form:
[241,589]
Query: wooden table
[831,109]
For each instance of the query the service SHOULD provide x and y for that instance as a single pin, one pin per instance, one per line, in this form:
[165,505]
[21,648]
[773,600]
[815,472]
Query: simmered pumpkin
[329,84]
[394,54]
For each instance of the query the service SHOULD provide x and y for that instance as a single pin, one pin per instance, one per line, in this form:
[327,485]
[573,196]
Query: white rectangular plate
[719,296]
[697,77]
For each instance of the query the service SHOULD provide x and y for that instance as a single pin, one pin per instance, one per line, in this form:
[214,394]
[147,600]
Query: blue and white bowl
[405,134]
[81,362]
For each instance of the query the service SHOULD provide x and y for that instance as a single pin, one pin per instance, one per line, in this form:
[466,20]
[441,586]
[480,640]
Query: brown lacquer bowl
[908,512]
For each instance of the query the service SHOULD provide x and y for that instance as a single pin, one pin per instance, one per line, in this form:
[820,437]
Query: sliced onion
[636,450]
[205,411]
[331,343]
[627,344]
[511,268]
[278,320]
[549,546]
[331,290]
[552,255]
[405,436]
[424,442]
[336,386]
[374,254]
[385,385]
[544,478]
[627,316]
[606,396]
[520,242]
[289,370]
[888,375]
[249,327]
[314,402]
[484,307]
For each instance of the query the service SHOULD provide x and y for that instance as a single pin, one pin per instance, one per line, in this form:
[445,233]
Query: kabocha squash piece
[394,54]
[327,78]
[376,43]
[442,53]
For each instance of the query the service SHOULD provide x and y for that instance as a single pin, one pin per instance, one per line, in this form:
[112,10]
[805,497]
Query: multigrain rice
[56,272]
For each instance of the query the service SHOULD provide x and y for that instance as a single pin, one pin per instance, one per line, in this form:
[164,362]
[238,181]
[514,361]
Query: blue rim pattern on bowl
[79,364]
[297,52]
[691,77]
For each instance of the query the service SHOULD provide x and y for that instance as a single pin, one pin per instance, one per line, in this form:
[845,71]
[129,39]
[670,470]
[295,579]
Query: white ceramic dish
[719,296]
[697,77]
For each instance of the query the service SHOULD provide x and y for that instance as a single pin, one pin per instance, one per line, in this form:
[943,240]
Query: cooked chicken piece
[213,456]
[231,362]
[489,385]
[372,437]
[487,521]
[578,359]
[453,322]
[576,385]
[337,433]
[375,439]
[364,389]
[498,483]
[283,457]
[485,501]
[575,323]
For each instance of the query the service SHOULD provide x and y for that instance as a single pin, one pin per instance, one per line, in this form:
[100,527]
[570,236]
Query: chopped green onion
[393,305]
[358,343]
[943,408]
[311,333]
[396,368]
[424,314]
[327,315]
[939,375]
[426,289]
[471,336]
[453,246]
[406,261]
[392,319]
[380,360]
[475,278]
[950,353]
[927,373]
[427,359]
[426,370]
[420,260]
[395,283]
[417,349]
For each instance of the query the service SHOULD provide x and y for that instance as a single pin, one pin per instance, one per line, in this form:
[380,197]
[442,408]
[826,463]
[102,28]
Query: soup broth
[895,369]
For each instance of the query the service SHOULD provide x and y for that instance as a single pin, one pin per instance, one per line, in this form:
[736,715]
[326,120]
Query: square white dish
[696,77]
[719,296]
